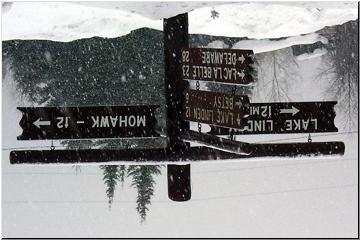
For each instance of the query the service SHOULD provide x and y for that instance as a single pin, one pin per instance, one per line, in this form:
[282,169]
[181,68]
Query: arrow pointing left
[39,123]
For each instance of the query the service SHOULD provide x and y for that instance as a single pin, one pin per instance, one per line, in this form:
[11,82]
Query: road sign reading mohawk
[87,122]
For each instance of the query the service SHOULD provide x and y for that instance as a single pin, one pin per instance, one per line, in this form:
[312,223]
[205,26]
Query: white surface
[315,198]
[68,21]
[266,45]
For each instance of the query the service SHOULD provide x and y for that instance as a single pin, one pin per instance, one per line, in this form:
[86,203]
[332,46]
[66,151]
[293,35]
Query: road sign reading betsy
[87,122]
[218,65]
[292,117]
[215,108]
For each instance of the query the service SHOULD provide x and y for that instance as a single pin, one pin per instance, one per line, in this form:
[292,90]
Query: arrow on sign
[241,59]
[239,104]
[293,110]
[241,74]
[39,123]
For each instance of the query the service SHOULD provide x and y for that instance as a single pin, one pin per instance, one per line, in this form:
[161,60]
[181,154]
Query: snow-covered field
[67,21]
[270,197]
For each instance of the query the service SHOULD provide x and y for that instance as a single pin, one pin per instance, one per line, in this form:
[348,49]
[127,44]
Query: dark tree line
[127,70]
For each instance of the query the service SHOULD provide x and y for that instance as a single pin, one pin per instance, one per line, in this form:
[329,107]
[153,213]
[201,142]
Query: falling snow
[229,198]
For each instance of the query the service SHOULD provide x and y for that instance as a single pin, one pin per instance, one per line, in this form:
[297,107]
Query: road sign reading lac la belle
[216,108]
[87,122]
[218,65]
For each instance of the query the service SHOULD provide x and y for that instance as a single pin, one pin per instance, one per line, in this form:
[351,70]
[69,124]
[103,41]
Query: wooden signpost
[222,111]
[176,37]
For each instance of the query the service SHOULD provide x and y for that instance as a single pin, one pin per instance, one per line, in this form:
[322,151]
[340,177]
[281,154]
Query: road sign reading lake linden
[216,108]
[218,65]
[87,122]
[290,117]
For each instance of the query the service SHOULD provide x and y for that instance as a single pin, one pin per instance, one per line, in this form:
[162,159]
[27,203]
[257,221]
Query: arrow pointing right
[39,123]
[241,59]
[238,103]
[241,74]
[293,110]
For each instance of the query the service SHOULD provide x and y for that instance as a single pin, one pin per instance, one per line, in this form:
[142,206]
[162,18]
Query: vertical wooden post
[179,184]
[176,37]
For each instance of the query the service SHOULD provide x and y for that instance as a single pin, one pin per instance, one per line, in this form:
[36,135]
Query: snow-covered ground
[68,21]
[270,197]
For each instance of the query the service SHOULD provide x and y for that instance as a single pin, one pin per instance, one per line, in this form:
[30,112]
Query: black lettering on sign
[87,122]
[216,108]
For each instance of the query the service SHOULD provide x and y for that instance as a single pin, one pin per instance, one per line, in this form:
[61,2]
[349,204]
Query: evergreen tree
[122,173]
[343,73]
[143,181]
[77,169]
[111,177]
[276,72]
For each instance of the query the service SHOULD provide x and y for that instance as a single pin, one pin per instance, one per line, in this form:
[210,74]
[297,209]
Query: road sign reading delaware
[218,65]
[87,122]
